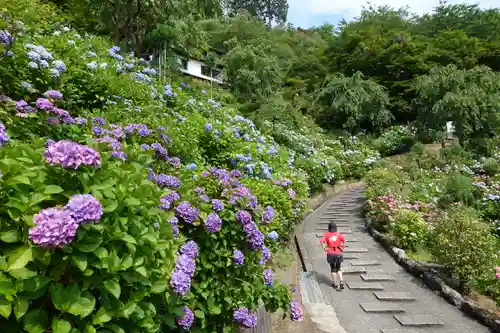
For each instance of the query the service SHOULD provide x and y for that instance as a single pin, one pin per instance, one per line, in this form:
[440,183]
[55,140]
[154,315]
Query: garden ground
[352,305]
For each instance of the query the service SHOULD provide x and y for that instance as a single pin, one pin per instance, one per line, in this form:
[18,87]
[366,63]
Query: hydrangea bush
[82,247]
[441,209]
[136,204]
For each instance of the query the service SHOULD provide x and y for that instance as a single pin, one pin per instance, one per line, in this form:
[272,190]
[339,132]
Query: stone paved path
[380,296]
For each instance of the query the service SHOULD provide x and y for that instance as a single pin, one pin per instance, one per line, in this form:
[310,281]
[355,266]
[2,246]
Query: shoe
[334,285]
[341,285]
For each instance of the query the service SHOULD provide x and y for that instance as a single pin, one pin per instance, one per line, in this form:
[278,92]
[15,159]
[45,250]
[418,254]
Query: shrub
[409,229]
[396,140]
[465,245]
[381,182]
[98,261]
[382,210]
[491,166]
[458,188]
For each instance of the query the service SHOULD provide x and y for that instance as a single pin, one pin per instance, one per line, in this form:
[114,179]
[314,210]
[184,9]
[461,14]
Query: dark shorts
[335,261]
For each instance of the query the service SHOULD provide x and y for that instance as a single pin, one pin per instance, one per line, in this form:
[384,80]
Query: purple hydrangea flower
[145,146]
[180,282]
[119,154]
[54,227]
[21,105]
[99,121]
[59,66]
[217,205]
[44,104]
[268,214]
[60,112]
[265,256]
[187,320]
[4,138]
[68,120]
[186,212]
[69,154]
[80,121]
[254,237]
[54,94]
[268,277]
[273,235]
[213,222]
[174,222]
[5,38]
[295,311]
[244,217]
[190,249]
[238,257]
[167,200]
[185,264]
[175,162]
[49,142]
[84,208]
[291,193]
[168,181]
[208,127]
[244,318]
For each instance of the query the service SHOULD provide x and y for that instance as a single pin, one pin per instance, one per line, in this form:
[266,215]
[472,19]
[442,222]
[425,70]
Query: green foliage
[458,188]
[491,166]
[395,140]
[352,103]
[253,74]
[469,98]
[409,230]
[110,275]
[466,247]
[381,182]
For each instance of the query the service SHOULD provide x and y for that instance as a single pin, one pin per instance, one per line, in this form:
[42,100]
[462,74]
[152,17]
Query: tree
[252,73]
[353,103]
[269,11]
[469,98]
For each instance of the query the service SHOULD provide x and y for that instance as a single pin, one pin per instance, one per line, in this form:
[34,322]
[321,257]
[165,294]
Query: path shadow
[322,279]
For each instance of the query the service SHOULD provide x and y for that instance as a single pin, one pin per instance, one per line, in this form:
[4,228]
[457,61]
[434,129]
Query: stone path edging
[432,279]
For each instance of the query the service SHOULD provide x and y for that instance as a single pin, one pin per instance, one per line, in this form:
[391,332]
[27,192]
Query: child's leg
[334,277]
[339,273]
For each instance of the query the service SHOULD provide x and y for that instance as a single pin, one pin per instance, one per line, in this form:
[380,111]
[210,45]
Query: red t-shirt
[333,240]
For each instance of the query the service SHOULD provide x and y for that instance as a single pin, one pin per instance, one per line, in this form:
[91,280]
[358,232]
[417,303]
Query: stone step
[401,330]
[378,307]
[354,270]
[347,239]
[364,262]
[345,231]
[335,218]
[394,296]
[418,320]
[339,225]
[337,214]
[341,210]
[350,256]
[355,250]
[365,286]
[374,277]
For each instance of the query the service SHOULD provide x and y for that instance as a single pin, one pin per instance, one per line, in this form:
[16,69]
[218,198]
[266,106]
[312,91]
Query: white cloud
[352,8]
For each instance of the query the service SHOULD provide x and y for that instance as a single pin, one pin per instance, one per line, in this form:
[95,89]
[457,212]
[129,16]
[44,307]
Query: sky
[308,13]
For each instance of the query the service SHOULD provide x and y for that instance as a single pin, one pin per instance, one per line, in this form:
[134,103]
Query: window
[184,63]
[217,74]
[206,71]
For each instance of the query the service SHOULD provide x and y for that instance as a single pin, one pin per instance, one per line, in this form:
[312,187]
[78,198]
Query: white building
[200,70]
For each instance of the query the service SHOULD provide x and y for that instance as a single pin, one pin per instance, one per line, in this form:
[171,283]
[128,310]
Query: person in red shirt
[334,243]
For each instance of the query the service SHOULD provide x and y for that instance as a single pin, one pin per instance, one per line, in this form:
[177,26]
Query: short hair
[332,227]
